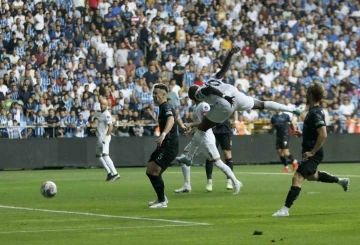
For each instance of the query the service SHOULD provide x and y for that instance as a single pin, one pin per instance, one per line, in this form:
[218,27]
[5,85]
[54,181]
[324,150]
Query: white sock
[101,159]
[273,106]
[186,174]
[209,181]
[195,142]
[110,164]
[226,169]
[285,209]
[229,181]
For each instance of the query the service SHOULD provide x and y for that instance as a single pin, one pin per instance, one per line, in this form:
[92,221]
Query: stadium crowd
[58,56]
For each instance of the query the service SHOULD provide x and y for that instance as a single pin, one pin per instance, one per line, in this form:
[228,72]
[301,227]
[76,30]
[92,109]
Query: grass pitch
[87,210]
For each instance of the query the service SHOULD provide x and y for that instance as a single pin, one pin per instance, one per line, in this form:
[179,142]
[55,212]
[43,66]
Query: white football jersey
[200,110]
[104,120]
[227,89]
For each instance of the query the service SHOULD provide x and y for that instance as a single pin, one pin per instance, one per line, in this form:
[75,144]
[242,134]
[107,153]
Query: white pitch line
[270,173]
[104,215]
[95,229]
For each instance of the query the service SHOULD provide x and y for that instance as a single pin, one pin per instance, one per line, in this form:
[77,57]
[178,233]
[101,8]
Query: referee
[223,134]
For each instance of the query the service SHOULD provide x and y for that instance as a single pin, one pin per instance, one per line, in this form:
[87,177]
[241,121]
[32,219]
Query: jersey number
[214,83]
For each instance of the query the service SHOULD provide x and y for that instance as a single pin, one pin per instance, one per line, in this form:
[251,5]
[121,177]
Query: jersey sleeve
[199,95]
[319,120]
[205,108]
[168,111]
[108,118]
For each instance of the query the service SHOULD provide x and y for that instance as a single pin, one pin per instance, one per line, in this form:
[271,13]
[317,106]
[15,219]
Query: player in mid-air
[314,136]
[207,148]
[281,122]
[167,146]
[103,123]
[225,99]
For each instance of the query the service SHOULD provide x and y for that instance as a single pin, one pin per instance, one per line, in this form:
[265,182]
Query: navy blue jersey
[281,125]
[314,119]
[165,111]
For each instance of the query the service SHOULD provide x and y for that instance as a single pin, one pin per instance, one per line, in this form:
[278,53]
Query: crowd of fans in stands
[58,56]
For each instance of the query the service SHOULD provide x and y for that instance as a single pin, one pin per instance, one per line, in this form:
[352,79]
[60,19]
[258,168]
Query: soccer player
[281,122]
[167,146]
[223,135]
[314,136]
[208,148]
[103,123]
[225,99]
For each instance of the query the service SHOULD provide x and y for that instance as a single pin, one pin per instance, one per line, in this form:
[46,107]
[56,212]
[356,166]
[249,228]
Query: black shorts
[282,144]
[308,167]
[224,140]
[164,156]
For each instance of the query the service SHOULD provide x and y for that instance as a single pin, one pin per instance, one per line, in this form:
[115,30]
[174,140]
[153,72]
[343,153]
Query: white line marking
[270,173]
[104,215]
[95,229]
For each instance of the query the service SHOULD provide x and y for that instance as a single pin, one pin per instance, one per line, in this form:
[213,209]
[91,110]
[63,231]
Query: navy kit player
[167,146]
[223,135]
[103,123]
[314,136]
[281,122]
[225,99]
[207,148]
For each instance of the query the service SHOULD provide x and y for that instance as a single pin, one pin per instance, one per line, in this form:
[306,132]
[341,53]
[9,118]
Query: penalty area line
[105,215]
[95,229]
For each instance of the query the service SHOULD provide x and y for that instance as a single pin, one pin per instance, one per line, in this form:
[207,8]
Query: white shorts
[222,110]
[103,148]
[207,147]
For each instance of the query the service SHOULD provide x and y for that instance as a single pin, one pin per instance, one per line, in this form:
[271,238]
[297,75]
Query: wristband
[163,134]
[223,96]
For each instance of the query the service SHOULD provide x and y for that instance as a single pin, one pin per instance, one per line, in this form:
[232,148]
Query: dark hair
[162,87]
[192,91]
[316,90]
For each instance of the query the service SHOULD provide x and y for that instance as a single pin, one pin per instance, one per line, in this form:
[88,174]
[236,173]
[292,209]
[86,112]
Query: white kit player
[207,148]
[103,133]
[225,99]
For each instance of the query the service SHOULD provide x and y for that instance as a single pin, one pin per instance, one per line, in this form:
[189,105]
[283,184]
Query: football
[48,189]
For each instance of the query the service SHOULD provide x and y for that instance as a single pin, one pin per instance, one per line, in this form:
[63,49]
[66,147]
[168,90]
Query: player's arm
[320,139]
[110,125]
[170,121]
[227,63]
[320,125]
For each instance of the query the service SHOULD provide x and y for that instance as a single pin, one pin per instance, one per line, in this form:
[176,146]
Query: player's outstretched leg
[295,189]
[274,106]
[209,166]
[186,188]
[227,171]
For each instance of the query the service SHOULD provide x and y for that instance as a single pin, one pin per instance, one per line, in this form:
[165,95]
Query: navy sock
[291,157]
[327,178]
[159,186]
[292,196]
[209,169]
[283,161]
[230,163]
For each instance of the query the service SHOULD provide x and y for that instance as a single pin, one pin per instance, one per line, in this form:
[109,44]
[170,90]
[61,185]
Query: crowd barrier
[135,151]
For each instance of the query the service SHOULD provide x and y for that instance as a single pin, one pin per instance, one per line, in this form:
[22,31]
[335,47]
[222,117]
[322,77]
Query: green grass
[323,214]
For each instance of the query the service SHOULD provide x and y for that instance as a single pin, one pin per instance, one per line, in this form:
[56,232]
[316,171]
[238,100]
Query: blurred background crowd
[58,56]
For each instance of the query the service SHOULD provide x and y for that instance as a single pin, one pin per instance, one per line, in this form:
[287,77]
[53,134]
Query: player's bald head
[104,101]
[192,91]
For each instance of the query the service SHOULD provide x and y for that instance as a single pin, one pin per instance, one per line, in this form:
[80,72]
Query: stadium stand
[58,56]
